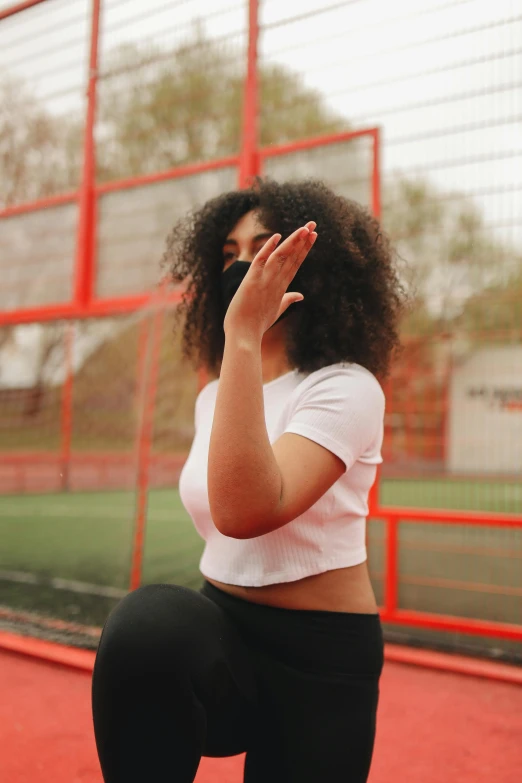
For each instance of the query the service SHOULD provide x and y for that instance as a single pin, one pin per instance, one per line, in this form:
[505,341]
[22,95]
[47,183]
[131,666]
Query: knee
[154,626]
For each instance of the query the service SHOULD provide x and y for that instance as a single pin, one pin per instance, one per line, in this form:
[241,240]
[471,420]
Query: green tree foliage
[164,109]
[494,315]
[39,153]
[450,254]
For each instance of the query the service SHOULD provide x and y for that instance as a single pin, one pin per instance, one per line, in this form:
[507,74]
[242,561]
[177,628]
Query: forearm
[244,481]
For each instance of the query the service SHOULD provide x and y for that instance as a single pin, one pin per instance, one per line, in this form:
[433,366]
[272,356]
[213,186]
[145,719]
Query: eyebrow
[257,238]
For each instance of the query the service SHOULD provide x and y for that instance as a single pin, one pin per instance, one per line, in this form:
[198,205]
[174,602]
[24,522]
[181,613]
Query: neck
[273,353]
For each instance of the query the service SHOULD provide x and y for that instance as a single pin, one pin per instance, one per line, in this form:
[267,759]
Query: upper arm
[332,426]
[308,470]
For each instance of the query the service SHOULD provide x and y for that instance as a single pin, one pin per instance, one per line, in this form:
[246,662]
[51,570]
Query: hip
[338,590]
[308,641]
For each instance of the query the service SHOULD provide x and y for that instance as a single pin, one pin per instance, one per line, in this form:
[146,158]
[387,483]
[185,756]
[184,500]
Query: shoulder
[347,381]
[341,407]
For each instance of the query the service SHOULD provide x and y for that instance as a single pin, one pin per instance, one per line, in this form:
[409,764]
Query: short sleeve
[341,409]
[202,400]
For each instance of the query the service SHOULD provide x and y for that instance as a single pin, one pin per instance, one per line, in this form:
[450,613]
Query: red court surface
[434,727]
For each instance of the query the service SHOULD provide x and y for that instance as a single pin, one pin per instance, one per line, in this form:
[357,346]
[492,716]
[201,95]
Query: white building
[485,412]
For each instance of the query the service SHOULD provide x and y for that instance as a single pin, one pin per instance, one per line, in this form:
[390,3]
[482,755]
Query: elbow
[233,521]
[244,529]
[233,530]
[237,528]
[240,515]
[225,522]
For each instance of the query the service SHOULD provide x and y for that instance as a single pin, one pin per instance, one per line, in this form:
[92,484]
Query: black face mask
[232,278]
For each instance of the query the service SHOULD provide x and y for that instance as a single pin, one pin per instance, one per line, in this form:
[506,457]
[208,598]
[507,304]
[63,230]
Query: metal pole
[15,9]
[376,173]
[392,565]
[149,365]
[84,272]
[67,407]
[249,162]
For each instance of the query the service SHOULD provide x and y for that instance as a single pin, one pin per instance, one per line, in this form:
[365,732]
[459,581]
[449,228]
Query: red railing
[391,611]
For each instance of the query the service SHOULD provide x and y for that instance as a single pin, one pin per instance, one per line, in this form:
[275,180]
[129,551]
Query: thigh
[172,668]
[313,727]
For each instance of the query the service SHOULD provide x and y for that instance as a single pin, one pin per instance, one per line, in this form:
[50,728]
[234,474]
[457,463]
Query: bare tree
[39,152]
[449,254]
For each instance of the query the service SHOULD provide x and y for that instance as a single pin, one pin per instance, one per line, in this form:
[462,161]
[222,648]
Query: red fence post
[18,7]
[84,271]
[376,173]
[249,163]
[150,367]
[392,565]
[67,407]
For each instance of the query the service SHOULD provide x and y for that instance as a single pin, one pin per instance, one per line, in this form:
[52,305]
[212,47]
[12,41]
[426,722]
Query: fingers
[267,250]
[304,240]
[294,249]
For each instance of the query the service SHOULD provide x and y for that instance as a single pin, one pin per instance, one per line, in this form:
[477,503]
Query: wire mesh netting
[99,428]
[97,414]
[37,257]
[103,430]
[42,108]
[170,85]
[346,166]
[133,224]
[43,59]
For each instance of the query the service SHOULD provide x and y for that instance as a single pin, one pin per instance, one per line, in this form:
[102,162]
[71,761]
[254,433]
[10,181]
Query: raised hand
[261,298]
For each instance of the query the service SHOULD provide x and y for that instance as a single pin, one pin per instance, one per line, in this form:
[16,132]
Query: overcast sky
[443,78]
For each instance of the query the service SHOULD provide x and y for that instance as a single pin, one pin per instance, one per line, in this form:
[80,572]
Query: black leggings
[181,674]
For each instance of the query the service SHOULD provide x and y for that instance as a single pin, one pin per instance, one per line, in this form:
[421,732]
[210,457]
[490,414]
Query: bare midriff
[340,590]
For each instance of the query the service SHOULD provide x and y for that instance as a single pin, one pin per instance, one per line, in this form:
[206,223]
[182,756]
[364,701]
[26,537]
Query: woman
[279,655]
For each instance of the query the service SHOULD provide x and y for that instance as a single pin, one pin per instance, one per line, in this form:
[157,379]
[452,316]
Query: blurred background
[116,118]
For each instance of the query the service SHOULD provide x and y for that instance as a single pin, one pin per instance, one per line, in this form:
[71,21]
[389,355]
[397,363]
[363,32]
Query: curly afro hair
[352,295]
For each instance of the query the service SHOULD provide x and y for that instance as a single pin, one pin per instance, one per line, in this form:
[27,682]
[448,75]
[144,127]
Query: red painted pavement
[434,727]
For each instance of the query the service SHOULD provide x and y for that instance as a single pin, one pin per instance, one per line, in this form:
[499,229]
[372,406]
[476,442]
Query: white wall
[485,415]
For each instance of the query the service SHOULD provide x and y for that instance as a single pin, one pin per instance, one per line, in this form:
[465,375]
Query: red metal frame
[43,203]
[376,173]
[249,165]
[186,170]
[335,138]
[85,270]
[150,380]
[67,406]
[15,9]
[391,613]
[85,304]
[97,308]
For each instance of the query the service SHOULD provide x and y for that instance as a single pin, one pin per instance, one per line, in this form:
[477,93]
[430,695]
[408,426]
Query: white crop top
[340,407]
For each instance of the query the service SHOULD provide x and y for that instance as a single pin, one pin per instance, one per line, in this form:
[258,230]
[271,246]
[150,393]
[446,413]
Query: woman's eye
[229,256]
